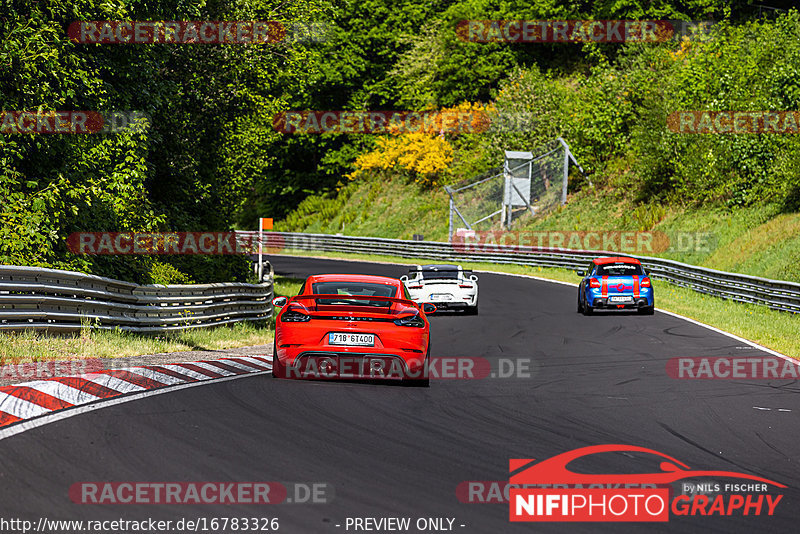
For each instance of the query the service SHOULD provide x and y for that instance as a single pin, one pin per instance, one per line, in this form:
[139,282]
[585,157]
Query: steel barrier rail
[775,294]
[49,299]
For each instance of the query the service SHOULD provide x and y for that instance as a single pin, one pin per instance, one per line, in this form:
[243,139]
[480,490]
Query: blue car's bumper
[596,300]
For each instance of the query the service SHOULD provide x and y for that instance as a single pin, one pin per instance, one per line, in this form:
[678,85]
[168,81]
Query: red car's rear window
[354,288]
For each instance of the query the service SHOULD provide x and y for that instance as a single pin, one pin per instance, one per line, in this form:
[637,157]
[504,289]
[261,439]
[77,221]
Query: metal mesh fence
[479,203]
[528,184]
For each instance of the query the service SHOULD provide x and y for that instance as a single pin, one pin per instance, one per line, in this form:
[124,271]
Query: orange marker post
[263,224]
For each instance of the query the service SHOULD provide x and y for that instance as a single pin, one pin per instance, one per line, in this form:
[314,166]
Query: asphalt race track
[391,451]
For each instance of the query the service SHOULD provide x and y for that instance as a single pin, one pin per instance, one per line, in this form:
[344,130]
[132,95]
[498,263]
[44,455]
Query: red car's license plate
[358,340]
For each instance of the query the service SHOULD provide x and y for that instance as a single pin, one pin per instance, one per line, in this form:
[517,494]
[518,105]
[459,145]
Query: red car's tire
[278,369]
[421,382]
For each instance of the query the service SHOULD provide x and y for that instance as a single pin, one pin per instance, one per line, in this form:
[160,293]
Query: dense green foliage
[615,116]
[612,107]
[208,157]
[190,167]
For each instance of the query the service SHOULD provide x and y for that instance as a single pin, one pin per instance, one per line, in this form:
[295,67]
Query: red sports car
[347,326]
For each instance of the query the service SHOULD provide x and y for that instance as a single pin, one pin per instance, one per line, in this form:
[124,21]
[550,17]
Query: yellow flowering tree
[426,154]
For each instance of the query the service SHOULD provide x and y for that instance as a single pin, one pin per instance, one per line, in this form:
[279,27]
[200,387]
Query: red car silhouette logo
[554,470]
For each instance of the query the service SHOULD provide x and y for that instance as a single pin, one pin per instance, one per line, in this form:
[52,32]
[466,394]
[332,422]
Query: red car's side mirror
[280,302]
[428,308]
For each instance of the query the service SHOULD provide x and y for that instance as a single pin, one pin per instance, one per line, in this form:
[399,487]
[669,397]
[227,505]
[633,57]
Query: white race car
[446,286]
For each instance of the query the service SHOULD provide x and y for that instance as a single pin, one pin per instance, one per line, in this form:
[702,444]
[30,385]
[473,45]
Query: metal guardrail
[775,294]
[49,299]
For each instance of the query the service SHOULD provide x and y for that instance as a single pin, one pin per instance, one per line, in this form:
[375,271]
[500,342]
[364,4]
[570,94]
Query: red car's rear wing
[354,297]
[387,306]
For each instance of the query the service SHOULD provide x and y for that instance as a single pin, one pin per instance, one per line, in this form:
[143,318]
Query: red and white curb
[32,399]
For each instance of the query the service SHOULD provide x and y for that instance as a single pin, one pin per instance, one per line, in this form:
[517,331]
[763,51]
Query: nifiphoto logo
[547,490]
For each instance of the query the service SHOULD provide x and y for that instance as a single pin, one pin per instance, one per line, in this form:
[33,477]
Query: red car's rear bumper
[303,351]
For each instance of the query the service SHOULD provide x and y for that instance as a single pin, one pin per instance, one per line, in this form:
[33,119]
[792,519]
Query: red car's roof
[615,259]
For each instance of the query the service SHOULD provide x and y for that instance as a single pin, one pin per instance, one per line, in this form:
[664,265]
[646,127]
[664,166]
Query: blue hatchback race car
[615,283]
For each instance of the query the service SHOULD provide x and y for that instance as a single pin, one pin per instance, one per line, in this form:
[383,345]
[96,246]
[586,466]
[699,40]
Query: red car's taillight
[594,282]
[410,320]
[295,316]
[645,282]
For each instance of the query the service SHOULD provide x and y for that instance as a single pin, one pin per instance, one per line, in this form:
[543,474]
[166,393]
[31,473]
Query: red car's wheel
[425,381]
[278,369]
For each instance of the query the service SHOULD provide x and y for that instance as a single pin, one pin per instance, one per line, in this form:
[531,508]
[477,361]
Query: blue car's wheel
[587,310]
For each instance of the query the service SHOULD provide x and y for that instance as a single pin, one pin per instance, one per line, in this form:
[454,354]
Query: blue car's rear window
[619,269]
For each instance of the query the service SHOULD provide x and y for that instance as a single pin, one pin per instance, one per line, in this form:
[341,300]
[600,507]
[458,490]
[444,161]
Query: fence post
[566,176]
[450,231]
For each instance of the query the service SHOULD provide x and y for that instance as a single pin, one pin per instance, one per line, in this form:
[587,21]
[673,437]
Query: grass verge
[773,329]
[34,346]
